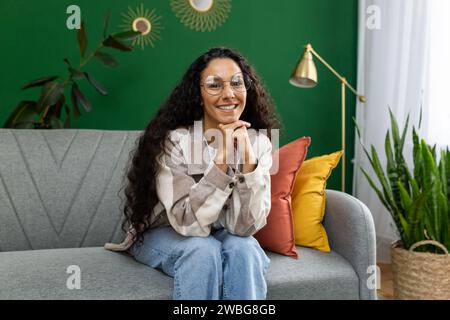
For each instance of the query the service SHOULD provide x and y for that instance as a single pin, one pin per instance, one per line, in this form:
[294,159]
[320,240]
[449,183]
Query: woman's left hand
[244,149]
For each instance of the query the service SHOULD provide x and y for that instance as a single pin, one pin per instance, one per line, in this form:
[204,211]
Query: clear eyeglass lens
[238,83]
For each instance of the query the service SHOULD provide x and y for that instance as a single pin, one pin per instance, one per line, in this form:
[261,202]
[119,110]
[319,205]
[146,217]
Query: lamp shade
[305,74]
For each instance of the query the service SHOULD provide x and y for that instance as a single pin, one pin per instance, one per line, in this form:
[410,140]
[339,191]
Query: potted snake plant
[418,200]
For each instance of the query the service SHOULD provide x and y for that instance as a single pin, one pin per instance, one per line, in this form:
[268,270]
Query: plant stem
[83,62]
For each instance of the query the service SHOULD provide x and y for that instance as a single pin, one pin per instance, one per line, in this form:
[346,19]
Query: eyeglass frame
[223,81]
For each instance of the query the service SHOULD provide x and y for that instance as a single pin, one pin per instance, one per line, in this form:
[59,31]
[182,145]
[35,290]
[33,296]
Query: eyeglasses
[214,85]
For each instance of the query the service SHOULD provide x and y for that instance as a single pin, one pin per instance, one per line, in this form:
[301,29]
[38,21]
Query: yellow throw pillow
[308,201]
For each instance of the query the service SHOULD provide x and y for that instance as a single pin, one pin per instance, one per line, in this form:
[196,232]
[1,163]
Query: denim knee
[201,249]
[244,248]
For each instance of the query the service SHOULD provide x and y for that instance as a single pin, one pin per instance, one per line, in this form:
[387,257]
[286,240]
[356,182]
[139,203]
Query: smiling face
[222,106]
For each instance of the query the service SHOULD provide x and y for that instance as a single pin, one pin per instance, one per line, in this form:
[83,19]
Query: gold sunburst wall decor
[144,21]
[201,15]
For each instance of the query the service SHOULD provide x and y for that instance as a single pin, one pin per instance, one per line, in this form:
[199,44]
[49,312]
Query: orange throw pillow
[278,234]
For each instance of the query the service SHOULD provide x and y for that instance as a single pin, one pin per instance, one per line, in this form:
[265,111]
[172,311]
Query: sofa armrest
[351,234]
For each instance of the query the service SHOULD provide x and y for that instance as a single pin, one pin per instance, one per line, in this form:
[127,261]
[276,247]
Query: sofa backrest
[62,188]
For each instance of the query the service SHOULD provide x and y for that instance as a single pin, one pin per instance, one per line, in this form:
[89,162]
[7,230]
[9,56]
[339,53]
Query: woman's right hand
[226,150]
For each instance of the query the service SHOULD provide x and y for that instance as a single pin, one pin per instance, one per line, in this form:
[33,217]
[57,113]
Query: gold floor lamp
[305,76]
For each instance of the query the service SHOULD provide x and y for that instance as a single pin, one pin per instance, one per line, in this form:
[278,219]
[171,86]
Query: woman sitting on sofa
[199,183]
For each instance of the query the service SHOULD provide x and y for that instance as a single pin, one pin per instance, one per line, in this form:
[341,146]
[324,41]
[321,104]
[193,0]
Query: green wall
[271,34]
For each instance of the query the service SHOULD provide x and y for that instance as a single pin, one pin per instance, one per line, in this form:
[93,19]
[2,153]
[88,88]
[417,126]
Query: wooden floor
[386,291]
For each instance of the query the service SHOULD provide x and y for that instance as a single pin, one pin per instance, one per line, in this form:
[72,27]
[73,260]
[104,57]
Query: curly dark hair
[181,109]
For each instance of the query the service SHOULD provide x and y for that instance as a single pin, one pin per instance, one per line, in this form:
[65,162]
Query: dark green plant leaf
[376,189]
[82,39]
[106,24]
[24,125]
[67,122]
[443,173]
[57,108]
[39,82]
[67,62]
[76,106]
[80,98]
[76,74]
[56,123]
[417,158]
[51,93]
[25,111]
[112,42]
[127,35]
[106,59]
[431,178]
[412,181]
[97,86]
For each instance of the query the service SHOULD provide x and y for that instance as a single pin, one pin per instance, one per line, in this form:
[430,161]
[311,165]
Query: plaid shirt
[196,196]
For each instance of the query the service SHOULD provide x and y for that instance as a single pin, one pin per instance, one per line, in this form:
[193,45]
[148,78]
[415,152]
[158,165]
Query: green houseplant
[46,112]
[418,200]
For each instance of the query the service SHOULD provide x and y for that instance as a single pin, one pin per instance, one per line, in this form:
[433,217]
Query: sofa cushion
[41,274]
[315,276]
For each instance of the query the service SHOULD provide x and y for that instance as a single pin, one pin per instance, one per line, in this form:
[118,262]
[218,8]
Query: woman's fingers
[234,125]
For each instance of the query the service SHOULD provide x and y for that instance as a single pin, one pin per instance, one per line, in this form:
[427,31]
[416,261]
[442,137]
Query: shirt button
[231,185]
[241,179]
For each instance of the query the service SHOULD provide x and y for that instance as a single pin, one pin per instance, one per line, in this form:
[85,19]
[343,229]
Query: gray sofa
[60,200]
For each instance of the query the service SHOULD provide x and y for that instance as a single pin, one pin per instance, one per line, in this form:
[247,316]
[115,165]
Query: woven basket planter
[420,275]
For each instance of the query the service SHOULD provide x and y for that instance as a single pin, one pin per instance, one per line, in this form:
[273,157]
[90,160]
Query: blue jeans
[221,266]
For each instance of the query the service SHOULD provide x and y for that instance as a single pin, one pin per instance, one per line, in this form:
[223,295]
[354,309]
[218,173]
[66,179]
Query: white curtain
[437,93]
[392,72]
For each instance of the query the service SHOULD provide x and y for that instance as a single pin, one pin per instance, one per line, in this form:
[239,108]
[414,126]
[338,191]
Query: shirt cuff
[251,179]
[218,178]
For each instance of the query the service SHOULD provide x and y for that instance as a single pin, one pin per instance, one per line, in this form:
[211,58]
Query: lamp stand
[305,76]
[343,83]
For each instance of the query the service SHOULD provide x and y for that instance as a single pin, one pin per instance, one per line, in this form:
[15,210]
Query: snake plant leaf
[405,131]
[447,170]
[431,178]
[106,59]
[417,158]
[382,178]
[416,215]
[51,93]
[82,39]
[39,82]
[444,219]
[443,173]
[112,42]
[412,181]
[97,86]
[395,133]
[376,189]
[80,98]
[24,112]
[406,200]
[390,164]
[391,168]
